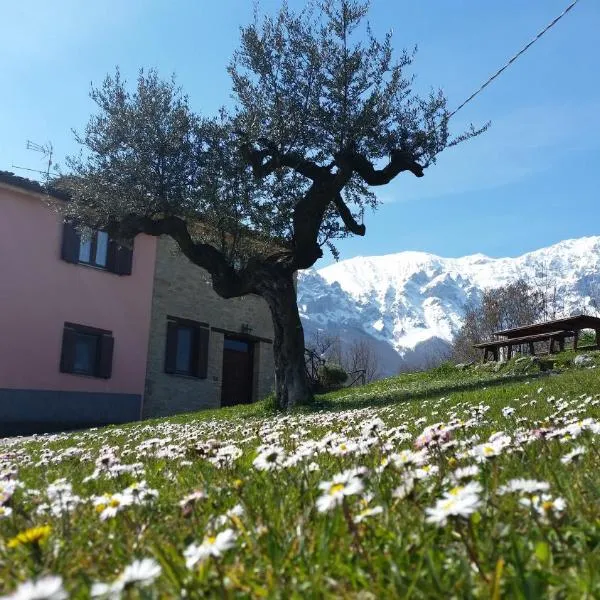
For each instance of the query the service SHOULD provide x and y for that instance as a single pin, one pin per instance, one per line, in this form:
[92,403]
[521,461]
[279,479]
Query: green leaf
[542,552]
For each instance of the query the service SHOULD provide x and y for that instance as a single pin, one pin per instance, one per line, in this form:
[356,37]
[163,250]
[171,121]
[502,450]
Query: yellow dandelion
[34,535]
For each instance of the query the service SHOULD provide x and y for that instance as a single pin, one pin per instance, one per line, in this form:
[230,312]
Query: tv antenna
[47,151]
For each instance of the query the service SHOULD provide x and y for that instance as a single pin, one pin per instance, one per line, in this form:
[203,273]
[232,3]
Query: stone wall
[181,289]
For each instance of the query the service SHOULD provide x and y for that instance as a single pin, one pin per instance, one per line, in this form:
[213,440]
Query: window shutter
[67,353]
[119,258]
[106,344]
[171,348]
[201,363]
[70,243]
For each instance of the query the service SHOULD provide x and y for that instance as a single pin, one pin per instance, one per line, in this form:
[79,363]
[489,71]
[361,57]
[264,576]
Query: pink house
[74,317]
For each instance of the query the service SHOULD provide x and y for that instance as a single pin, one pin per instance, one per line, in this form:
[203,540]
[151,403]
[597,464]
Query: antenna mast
[47,151]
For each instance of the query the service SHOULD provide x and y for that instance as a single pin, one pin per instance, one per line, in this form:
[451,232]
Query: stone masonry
[184,290]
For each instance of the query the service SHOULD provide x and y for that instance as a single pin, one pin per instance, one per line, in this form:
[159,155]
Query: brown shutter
[120,258]
[70,243]
[171,348]
[125,260]
[106,344]
[201,362]
[67,353]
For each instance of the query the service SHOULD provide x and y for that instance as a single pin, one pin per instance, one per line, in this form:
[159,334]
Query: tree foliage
[323,111]
[511,305]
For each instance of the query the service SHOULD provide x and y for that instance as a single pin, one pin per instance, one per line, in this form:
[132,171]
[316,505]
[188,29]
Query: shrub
[332,375]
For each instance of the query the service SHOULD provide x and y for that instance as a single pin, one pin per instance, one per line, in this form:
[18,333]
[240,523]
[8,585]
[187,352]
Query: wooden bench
[494,346]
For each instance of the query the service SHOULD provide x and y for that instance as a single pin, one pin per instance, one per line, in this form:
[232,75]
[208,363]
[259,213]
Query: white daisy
[343,484]
[368,512]
[44,588]
[269,459]
[525,486]
[460,501]
[545,505]
[210,546]
[573,455]
[108,505]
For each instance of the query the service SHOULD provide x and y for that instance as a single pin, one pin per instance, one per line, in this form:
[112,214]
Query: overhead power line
[514,58]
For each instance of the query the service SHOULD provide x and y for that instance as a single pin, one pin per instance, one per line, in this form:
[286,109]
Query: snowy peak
[415,299]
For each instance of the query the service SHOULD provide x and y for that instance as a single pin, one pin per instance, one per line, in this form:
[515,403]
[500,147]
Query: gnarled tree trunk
[291,383]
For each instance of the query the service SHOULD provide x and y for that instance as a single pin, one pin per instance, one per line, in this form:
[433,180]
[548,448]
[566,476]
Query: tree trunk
[291,382]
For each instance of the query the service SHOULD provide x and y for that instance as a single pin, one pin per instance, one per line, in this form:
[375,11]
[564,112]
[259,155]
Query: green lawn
[402,488]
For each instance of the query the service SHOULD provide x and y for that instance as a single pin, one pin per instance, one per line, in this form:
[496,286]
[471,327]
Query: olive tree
[322,112]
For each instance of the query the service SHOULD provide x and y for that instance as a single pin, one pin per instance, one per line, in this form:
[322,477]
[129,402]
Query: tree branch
[400,160]
[226,281]
[275,159]
[349,221]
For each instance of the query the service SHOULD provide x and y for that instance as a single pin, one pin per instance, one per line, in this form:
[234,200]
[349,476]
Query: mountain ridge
[414,302]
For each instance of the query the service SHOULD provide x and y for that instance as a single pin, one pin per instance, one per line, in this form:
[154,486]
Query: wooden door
[238,366]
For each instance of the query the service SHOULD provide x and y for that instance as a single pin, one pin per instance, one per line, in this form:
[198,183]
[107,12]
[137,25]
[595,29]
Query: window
[96,250]
[86,351]
[186,350]
[93,250]
[237,345]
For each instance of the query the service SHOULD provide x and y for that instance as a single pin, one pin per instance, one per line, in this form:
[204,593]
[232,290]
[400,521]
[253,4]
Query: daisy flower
[573,455]
[108,505]
[269,459]
[405,488]
[214,546]
[545,505]
[342,485]
[44,588]
[460,501]
[525,486]
[142,572]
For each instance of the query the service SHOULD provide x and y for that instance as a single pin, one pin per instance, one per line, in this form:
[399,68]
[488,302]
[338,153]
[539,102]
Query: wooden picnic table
[554,331]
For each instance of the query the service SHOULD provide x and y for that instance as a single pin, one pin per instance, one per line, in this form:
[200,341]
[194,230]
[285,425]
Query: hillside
[409,305]
[444,484]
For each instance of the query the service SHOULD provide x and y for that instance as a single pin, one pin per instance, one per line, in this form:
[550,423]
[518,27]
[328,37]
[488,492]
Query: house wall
[39,292]
[184,290]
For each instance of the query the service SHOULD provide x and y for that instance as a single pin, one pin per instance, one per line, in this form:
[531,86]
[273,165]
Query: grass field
[443,484]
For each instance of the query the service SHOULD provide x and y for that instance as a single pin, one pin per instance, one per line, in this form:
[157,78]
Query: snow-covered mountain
[409,305]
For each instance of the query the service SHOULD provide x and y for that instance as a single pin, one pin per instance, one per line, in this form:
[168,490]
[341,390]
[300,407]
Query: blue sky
[530,181]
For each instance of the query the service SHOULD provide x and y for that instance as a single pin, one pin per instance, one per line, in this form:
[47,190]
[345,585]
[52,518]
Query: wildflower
[49,587]
[34,535]
[507,411]
[405,488]
[545,505]
[426,471]
[493,447]
[573,455]
[5,512]
[211,546]
[7,489]
[436,434]
[192,498]
[270,458]
[232,514]
[108,505]
[526,486]
[460,501]
[368,512]
[342,485]
[142,572]
[465,472]
[140,492]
